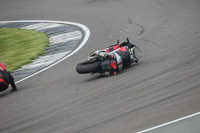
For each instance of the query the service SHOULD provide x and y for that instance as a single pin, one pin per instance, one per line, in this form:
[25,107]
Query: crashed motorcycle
[111,60]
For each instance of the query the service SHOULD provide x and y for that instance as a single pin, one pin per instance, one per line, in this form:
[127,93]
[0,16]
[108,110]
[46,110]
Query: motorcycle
[106,63]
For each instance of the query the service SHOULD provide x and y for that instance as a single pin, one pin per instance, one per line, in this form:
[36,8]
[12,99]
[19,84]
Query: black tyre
[88,67]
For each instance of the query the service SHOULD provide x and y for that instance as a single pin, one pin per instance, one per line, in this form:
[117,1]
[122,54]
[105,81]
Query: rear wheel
[88,67]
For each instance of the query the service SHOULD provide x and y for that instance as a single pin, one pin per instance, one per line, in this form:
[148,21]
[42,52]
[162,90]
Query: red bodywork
[2,68]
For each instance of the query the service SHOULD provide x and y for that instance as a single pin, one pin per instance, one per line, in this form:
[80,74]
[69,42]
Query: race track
[163,87]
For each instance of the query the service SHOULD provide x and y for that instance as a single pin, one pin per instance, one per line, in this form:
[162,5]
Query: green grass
[21,46]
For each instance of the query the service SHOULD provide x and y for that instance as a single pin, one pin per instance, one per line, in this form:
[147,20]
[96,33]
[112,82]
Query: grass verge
[21,46]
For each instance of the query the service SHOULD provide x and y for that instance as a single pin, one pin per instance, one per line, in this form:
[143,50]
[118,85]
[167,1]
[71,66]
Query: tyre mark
[141,27]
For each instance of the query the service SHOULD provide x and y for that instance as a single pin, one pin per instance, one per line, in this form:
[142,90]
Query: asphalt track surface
[163,87]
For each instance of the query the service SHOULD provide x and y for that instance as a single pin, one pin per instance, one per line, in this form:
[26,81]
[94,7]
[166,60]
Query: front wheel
[88,67]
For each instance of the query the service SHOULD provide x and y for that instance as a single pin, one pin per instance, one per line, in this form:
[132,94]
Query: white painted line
[85,39]
[41,26]
[36,26]
[50,26]
[75,35]
[171,122]
[45,60]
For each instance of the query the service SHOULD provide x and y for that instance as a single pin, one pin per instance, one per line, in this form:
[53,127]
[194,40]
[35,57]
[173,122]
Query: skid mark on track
[94,1]
[141,27]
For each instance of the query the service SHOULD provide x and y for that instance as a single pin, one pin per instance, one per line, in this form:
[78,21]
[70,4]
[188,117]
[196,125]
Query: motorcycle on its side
[106,63]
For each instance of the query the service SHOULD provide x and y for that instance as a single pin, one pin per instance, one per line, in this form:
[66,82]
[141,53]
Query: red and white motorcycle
[111,60]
